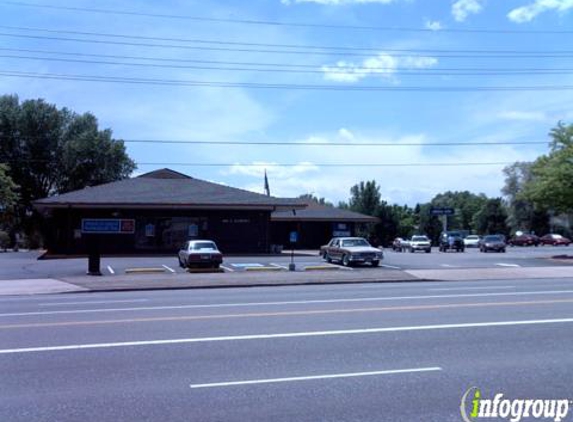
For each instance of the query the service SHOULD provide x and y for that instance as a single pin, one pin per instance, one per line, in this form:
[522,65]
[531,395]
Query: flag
[267,189]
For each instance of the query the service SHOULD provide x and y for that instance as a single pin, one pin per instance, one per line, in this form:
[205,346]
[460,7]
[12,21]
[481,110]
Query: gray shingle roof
[317,212]
[166,188]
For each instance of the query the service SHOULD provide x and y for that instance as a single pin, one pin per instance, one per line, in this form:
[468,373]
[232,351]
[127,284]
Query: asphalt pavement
[368,352]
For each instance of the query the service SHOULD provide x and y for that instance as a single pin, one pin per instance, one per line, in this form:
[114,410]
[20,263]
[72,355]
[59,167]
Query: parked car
[324,248]
[200,253]
[419,243]
[399,244]
[451,240]
[555,240]
[524,240]
[493,243]
[353,250]
[472,241]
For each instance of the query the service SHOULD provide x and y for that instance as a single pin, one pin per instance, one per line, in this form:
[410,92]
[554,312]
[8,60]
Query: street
[369,352]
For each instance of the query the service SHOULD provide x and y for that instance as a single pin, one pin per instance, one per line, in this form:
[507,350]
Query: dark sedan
[524,240]
[555,240]
[492,243]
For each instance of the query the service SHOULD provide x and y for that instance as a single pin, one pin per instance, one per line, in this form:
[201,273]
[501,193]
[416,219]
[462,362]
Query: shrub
[4,240]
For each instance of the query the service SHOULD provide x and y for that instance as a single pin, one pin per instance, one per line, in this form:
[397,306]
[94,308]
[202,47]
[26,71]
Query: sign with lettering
[442,211]
[107,226]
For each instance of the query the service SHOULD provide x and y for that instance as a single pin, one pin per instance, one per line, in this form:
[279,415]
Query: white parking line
[293,302]
[227,269]
[501,264]
[279,266]
[316,377]
[171,270]
[110,269]
[307,334]
[390,266]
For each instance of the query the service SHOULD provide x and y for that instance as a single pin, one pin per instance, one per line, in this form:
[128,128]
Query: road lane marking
[227,269]
[303,334]
[390,266]
[110,269]
[95,302]
[294,302]
[502,264]
[447,289]
[171,270]
[284,314]
[449,266]
[317,377]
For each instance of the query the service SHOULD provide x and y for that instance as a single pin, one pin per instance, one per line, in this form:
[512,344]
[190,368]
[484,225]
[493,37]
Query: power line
[277,65]
[341,144]
[275,45]
[330,70]
[261,22]
[289,52]
[279,86]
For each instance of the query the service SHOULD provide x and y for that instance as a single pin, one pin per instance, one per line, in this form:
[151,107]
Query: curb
[262,269]
[142,270]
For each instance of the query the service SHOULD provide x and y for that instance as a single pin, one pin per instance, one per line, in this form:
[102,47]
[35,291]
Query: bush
[4,240]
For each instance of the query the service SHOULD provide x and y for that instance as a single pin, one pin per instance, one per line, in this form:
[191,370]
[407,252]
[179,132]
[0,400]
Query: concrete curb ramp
[321,268]
[257,269]
[37,286]
[454,274]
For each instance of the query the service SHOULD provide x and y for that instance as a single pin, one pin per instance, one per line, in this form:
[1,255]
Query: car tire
[180,263]
[216,265]
[345,260]
[412,250]
[503,250]
[428,250]
[375,263]
[328,258]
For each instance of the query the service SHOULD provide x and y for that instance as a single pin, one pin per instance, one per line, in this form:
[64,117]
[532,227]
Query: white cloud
[257,169]
[433,25]
[337,2]
[529,12]
[383,65]
[461,9]
[537,116]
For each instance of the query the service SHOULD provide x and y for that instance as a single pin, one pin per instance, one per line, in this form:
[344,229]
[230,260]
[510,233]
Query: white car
[472,241]
[419,243]
[200,253]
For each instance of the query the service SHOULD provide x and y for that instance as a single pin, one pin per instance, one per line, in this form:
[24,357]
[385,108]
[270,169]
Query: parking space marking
[279,266]
[390,266]
[447,289]
[315,377]
[227,269]
[501,264]
[251,265]
[110,269]
[171,270]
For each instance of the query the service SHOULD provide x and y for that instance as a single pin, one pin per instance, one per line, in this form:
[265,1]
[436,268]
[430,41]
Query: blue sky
[358,58]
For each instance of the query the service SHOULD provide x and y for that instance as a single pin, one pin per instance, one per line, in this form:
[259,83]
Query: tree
[312,198]
[365,198]
[551,185]
[522,214]
[8,190]
[53,150]
[492,218]
[465,204]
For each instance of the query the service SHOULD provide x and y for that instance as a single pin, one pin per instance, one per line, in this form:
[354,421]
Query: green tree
[8,190]
[365,198]
[465,204]
[551,184]
[492,218]
[312,198]
[53,150]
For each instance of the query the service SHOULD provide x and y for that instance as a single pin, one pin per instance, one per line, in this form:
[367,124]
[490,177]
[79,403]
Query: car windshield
[198,246]
[493,239]
[419,239]
[349,243]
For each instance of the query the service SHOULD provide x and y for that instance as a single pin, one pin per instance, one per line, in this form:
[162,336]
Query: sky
[301,85]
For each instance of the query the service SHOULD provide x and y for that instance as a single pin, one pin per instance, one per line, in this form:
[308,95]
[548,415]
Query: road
[25,264]
[371,352]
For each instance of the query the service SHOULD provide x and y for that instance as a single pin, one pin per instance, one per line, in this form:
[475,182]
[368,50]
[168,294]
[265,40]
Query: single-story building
[316,225]
[156,213]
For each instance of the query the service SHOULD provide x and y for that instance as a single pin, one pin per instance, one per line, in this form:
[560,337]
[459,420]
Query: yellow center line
[289,313]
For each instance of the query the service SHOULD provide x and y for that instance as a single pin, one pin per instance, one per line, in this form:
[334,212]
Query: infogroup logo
[474,408]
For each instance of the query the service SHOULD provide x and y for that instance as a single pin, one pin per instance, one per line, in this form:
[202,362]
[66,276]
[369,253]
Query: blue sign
[293,237]
[108,226]
[442,211]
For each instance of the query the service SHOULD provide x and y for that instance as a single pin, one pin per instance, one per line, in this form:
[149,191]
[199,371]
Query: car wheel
[346,260]
[428,250]
[503,250]
[216,265]
[375,263]
[412,250]
[324,256]
[328,258]
[181,263]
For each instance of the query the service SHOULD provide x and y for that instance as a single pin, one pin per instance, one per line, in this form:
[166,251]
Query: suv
[451,240]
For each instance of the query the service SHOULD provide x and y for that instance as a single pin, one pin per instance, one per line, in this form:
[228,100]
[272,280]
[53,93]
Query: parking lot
[18,265]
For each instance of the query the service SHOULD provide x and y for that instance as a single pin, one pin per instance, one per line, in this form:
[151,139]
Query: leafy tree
[492,218]
[8,190]
[551,184]
[312,198]
[465,204]
[53,150]
[365,198]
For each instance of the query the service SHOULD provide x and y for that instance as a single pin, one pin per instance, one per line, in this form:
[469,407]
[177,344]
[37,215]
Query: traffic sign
[442,211]
[293,237]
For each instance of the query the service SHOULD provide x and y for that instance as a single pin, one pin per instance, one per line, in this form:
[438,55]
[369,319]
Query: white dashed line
[111,271]
[390,266]
[171,270]
[227,269]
